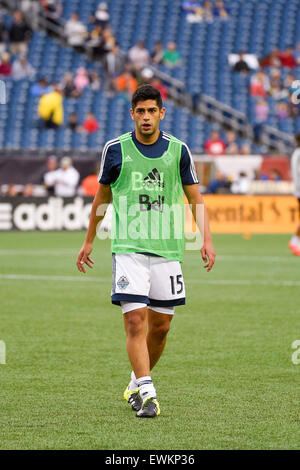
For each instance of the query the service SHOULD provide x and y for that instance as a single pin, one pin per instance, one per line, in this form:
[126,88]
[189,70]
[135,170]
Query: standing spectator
[287,58]
[138,55]
[215,145]
[3,35]
[52,164]
[109,39]
[114,66]
[232,147]
[68,86]
[101,15]
[65,179]
[259,84]
[19,34]
[40,87]
[261,111]
[81,79]
[157,53]
[76,32]
[90,124]
[5,65]
[171,57]
[21,68]
[50,108]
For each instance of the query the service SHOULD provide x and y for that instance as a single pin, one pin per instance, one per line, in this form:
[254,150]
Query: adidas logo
[153,179]
[128,159]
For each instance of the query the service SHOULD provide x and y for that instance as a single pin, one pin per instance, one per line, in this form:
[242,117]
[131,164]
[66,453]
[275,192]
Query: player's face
[147,116]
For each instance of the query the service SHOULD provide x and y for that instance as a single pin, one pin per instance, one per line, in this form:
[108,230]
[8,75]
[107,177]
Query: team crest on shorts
[123,282]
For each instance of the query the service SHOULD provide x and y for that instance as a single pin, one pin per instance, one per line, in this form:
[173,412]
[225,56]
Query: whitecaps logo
[295,89]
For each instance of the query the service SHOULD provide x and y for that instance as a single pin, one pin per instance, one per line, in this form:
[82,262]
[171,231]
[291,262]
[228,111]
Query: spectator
[241,65]
[68,86]
[159,85]
[31,11]
[52,11]
[232,147]
[27,190]
[90,124]
[276,86]
[208,11]
[219,184]
[171,57]
[40,87]
[114,66]
[19,34]
[220,10]
[245,149]
[101,15]
[21,69]
[47,178]
[259,84]
[3,35]
[275,175]
[65,179]
[73,123]
[192,10]
[241,185]
[297,53]
[50,108]
[261,111]
[5,65]
[287,58]
[76,32]
[157,53]
[271,60]
[95,81]
[81,79]
[139,56]
[96,44]
[109,39]
[215,145]
[90,184]
[126,83]
[282,110]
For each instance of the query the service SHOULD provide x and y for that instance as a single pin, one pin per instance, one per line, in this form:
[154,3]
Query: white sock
[146,387]
[133,383]
[295,240]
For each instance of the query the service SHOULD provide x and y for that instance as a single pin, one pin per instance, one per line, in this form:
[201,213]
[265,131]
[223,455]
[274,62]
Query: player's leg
[158,328]
[294,243]
[135,323]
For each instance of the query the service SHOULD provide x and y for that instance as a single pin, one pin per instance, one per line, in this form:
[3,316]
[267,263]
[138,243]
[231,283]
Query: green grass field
[226,379]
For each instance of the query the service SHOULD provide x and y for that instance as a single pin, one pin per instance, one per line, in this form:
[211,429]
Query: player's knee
[160,330]
[135,323]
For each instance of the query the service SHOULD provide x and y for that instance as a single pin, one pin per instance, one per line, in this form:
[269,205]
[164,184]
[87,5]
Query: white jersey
[64,181]
[295,170]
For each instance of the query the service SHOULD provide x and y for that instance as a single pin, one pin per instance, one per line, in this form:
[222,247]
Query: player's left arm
[200,215]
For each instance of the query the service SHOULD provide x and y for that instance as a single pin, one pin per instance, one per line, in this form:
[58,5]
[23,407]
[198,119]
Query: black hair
[146,92]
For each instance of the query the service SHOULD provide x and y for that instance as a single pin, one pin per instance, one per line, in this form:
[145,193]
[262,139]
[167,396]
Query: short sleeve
[187,168]
[111,162]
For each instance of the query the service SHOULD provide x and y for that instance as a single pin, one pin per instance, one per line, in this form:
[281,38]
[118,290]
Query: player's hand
[84,257]
[208,255]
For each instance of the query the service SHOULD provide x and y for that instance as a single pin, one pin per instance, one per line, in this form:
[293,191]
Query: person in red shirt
[287,58]
[90,124]
[5,65]
[215,145]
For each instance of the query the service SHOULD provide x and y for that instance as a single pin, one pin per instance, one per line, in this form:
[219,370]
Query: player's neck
[147,139]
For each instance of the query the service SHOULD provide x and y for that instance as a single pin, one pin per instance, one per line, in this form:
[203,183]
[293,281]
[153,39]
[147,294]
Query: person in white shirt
[76,31]
[294,243]
[64,180]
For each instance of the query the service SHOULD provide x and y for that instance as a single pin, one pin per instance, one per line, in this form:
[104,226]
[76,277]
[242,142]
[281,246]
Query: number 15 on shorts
[176,284]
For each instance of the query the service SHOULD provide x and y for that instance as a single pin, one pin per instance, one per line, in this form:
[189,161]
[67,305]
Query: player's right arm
[103,197]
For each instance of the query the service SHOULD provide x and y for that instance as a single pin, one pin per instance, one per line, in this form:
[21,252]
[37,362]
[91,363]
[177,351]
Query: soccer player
[146,173]
[294,243]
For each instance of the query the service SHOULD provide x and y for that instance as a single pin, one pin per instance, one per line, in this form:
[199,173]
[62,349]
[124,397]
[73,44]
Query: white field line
[230,257]
[82,278]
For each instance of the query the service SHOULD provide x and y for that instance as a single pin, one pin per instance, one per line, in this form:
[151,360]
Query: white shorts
[152,280]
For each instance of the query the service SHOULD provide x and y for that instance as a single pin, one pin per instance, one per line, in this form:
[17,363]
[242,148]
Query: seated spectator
[52,11]
[220,10]
[81,79]
[40,87]
[50,108]
[101,15]
[271,60]
[3,35]
[241,185]
[259,84]
[275,175]
[215,145]
[90,124]
[126,83]
[138,55]
[68,86]
[282,110]
[232,147]
[171,57]
[261,111]
[90,184]
[76,32]
[21,69]
[65,179]
[5,65]
[193,10]
[287,58]
[157,53]
[294,110]
[95,81]
[159,85]
[52,165]
[27,190]
[245,149]
[19,34]
[73,123]
[208,11]
[219,184]
[241,65]
[109,39]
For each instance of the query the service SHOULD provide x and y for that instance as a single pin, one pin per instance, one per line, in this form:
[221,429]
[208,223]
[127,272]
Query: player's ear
[131,113]
[162,113]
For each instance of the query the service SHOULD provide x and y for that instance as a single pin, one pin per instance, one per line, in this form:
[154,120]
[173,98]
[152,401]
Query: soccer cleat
[295,249]
[133,398]
[149,409]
